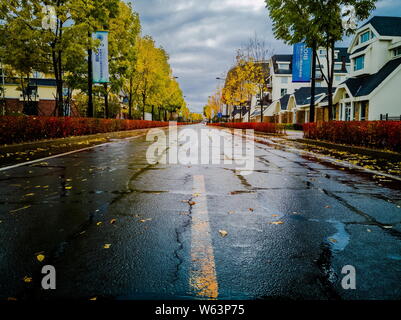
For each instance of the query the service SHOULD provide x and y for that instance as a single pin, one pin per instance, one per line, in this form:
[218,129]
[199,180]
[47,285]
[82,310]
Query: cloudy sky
[201,36]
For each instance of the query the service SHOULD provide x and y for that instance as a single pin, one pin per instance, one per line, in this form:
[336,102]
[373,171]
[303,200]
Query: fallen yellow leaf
[277,222]
[113,221]
[40,257]
[107,246]
[23,208]
[99,223]
[223,233]
[27,279]
[333,240]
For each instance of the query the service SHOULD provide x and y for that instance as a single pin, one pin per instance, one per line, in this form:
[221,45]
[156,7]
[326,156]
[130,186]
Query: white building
[373,90]
[281,72]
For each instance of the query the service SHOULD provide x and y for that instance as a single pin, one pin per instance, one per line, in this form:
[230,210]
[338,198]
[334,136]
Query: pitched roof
[386,26]
[284,101]
[364,85]
[303,95]
[360,49]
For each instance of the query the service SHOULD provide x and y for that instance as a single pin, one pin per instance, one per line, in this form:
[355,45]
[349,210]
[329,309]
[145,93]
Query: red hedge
[376,134]
[257,126]
[15,129]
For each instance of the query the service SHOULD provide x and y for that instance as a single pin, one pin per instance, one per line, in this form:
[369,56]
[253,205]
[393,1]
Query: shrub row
[376,134]
[16,129]
[265,127]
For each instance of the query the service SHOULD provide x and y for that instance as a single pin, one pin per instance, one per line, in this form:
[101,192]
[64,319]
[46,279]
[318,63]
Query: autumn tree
[55,30]
[124,31]
[241,82]
[257,50]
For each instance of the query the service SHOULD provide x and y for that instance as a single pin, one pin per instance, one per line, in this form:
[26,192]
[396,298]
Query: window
[338,78]
[284,66]
[338,66]
[322,52]
[284,80]
[359,63]
[397,52]
[347,116]
[318,84]
[365,36]
[36,75]
[364,105]
[283,92]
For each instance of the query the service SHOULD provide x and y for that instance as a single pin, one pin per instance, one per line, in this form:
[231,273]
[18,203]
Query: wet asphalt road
[290,227]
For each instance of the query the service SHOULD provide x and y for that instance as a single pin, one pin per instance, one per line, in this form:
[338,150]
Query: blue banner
[301,63]
[100,58]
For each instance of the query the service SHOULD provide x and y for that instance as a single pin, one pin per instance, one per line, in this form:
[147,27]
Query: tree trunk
[313,85]
[106,101]
[330,84]
[144,104]
[130,100]
[261,105]
[90,80]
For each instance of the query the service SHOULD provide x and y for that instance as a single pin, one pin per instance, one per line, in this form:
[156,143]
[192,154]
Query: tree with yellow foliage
[243,81]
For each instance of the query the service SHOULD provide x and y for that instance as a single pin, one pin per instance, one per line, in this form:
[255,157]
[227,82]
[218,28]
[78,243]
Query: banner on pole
[302,63]
[100,58]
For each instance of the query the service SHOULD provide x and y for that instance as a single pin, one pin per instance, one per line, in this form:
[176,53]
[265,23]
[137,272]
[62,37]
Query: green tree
[317,23]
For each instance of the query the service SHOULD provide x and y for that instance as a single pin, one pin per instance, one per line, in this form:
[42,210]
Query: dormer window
[284,66]
[366,36]
[359,63]
[338,66]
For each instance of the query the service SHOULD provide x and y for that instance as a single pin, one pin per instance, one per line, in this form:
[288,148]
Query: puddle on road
[340,239]
[394,257]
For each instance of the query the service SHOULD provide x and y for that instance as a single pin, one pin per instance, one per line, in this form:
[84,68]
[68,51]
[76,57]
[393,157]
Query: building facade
[373,89]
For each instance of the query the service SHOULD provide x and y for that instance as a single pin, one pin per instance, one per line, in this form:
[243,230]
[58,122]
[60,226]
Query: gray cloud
[201,37]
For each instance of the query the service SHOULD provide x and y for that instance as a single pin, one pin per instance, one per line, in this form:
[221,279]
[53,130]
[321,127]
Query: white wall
[387,99]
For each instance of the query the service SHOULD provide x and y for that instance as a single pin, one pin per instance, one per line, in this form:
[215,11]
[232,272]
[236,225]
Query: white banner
[100,58]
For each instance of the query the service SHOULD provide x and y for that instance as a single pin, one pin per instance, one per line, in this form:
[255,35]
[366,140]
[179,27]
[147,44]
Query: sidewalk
[294,134]
[30,151]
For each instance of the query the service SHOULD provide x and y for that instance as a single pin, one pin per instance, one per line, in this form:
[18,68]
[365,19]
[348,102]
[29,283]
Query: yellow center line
[203,280]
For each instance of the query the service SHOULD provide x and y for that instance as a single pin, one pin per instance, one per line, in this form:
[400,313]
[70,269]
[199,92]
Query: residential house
[373,89]
[37,98]
[283,87]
